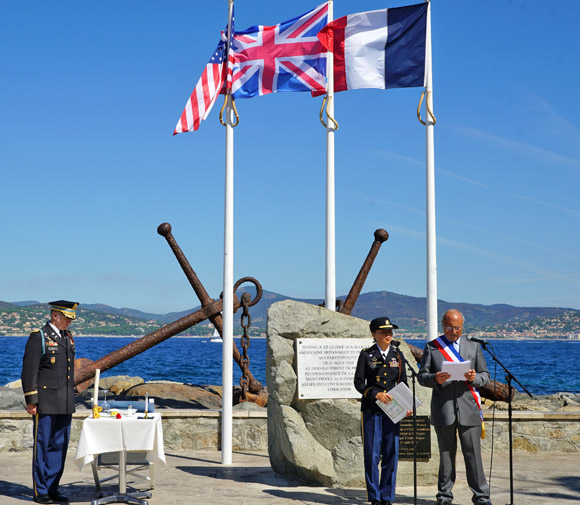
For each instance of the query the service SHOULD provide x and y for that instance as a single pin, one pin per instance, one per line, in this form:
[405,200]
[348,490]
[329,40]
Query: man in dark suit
[48,385]
[456,408]
[379,369]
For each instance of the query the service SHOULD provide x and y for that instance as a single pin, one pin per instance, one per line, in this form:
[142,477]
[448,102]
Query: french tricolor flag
[378,49]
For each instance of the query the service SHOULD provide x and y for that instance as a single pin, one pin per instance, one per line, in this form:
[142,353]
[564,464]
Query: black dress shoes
[59,498]
[375,502]
[42,498]
[386,502]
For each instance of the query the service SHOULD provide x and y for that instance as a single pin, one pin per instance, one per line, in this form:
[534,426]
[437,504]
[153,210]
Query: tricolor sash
[450,354]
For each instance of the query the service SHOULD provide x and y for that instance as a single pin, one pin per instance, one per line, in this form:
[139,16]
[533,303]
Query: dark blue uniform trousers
[51,437]
[380,442]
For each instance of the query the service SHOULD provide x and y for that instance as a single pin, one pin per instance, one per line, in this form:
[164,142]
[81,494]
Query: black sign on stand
[423,438]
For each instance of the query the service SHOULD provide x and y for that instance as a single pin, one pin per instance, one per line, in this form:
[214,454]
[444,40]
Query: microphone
[476,340]
[395,343]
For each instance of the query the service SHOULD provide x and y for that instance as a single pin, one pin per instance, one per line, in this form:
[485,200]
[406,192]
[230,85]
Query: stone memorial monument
[314,419]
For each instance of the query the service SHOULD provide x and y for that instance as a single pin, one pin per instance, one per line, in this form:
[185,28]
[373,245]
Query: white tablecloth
[126,434]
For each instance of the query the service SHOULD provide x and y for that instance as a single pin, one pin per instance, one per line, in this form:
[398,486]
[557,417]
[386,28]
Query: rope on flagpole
[429,111]
[234,109]
[326,102]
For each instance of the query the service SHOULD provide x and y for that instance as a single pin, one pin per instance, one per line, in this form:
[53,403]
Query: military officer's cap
[65,307]
[382,323]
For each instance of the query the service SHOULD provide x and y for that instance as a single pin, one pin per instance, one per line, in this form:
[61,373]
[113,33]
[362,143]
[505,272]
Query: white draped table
[107,434]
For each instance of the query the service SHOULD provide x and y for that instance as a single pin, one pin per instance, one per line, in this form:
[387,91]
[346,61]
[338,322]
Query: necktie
[63,334]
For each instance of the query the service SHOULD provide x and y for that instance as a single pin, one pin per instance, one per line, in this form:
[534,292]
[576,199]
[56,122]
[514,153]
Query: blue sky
[92,92]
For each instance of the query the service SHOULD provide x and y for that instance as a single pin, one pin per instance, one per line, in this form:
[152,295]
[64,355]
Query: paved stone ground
[197,477]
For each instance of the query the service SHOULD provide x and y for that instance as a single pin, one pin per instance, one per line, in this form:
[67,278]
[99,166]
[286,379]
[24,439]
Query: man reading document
[456,406]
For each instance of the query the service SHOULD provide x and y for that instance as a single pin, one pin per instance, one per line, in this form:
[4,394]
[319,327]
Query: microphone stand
[413,378]
[509,377]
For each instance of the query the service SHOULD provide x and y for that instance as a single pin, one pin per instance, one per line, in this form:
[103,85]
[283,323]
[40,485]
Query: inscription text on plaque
[326,366]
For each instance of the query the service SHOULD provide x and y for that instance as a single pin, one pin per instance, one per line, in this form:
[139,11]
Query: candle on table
[96,387]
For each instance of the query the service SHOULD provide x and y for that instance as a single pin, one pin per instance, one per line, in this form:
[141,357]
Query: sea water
[541,366]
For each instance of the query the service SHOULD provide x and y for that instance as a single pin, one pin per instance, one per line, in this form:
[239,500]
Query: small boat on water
[215,337]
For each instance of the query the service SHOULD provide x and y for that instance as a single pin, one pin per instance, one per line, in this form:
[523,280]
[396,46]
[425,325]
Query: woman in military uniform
[48,384]
[379,369]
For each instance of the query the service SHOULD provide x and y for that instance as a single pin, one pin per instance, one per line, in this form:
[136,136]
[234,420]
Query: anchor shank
[150,340]
[380,237]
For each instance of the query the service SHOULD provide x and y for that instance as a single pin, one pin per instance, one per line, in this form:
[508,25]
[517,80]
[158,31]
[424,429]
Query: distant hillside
[258,312]
[410,312]
[407,311]
[16,320]
[107,309]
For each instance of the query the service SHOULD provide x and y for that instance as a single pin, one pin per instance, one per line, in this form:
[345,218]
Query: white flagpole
[430,178]
[330,297]
[228,284]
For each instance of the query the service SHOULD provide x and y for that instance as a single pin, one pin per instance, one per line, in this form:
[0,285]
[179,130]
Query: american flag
[215,77]
[284,57]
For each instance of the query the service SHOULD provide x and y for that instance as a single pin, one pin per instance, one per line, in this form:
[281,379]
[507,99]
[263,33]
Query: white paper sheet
[456,370]
[401,402]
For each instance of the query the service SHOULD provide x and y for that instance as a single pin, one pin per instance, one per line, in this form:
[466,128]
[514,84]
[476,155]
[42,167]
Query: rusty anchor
[346,306]
[380,237]
[211,309]
[146,342]
[164,229]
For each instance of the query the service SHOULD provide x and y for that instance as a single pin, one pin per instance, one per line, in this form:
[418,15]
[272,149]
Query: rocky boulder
[119,384]
[166,394]
[179,396]
[320,440]
[559,402]
[11,398]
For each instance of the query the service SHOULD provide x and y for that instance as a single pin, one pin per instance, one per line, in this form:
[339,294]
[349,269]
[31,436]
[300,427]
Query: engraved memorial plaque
[423,438]
[326,366]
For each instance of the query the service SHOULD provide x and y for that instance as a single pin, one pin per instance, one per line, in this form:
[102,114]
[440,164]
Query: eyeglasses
[453,328]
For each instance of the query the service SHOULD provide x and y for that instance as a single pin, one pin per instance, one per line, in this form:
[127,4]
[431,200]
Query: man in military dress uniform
[379,369]
[48,384]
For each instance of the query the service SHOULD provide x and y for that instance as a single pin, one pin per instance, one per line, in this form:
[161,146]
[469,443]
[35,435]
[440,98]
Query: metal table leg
[123,496]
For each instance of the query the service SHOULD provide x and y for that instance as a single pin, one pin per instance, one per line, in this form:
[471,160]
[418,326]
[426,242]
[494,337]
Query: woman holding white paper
[379,369]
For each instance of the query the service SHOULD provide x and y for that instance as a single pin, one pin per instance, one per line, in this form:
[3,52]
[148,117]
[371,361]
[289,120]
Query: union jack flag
[284,57]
